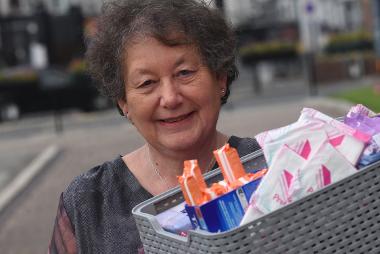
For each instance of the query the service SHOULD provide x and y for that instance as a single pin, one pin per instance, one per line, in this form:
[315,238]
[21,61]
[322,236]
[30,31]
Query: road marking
[26,175]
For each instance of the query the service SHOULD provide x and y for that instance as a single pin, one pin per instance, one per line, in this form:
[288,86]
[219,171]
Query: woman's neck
[157,172]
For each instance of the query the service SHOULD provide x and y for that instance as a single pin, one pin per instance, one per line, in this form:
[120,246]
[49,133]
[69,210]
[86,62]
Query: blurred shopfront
[42,66]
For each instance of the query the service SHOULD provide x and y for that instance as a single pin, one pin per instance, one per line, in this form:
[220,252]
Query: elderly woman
[168,64]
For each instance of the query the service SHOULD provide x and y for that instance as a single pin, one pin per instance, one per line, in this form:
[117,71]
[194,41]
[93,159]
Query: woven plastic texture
[341,218]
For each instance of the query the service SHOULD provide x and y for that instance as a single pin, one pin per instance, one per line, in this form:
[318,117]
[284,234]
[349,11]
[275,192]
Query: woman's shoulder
[96,178]
[103,185]
[245,145]
[101,200]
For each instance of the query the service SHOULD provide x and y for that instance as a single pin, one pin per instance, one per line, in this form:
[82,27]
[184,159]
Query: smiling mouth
[176,119]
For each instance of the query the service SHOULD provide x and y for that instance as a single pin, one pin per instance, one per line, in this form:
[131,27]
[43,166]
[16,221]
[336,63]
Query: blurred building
[260,11]
[41,56]
[320,18]
[335,14]
[264,20]
[57,7]
[54,28]
[307,20]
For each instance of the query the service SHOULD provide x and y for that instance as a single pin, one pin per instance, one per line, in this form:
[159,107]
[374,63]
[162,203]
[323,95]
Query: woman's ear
[222,81]
[123,107]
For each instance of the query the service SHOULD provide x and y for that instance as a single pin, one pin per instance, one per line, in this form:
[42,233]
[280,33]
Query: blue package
[224,212]
[371,153]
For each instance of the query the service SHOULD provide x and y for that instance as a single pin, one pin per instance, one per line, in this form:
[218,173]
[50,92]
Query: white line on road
[26,175]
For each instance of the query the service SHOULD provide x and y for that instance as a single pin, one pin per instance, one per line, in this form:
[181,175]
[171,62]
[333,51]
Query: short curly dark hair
[191,21]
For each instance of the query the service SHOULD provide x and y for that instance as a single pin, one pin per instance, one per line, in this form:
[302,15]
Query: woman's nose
[171,96]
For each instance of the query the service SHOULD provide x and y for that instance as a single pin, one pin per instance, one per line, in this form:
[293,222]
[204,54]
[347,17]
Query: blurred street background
[54,125]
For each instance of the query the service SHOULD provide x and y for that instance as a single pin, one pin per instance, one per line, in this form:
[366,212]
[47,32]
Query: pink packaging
[266,137]
[280,186]
[309,114]
[304,157]
[291,177]
[304,140]
[326,167]
[348,141]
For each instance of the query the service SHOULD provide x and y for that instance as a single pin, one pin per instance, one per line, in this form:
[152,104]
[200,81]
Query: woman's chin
[181,142]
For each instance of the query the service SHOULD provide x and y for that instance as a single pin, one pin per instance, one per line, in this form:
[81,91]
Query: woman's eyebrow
[179,61]
[140,71]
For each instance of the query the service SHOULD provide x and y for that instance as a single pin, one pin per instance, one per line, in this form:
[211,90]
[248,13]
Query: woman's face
[172,98]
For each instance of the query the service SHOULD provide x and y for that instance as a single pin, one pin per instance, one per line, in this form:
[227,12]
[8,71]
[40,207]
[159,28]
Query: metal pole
[309,63]
[255,79]
[58,124]
[308,32]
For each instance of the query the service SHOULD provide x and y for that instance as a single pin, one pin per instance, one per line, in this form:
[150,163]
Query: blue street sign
[309,7]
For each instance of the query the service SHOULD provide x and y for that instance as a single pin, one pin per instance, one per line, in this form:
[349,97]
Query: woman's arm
[63,239]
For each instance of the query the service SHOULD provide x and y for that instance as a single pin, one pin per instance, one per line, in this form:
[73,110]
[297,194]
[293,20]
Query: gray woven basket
[341,218]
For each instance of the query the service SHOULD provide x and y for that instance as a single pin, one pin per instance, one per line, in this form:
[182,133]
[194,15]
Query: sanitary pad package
[304,157]
[348,141]
[300,135]
[279,187]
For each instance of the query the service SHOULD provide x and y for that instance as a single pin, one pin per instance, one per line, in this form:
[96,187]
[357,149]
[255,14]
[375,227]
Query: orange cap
[229,162]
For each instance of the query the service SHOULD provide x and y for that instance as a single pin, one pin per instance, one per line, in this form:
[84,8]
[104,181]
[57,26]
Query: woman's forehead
[171,40]
[149,49]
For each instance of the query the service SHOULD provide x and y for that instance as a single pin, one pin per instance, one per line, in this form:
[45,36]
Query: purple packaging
[370,125]
[224,212]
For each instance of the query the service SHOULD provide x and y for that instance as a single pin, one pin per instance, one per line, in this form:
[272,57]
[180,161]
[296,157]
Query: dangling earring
[223,92]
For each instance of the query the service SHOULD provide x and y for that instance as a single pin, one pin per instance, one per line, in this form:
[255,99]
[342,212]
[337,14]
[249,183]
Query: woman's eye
[146,83]
[184,73]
